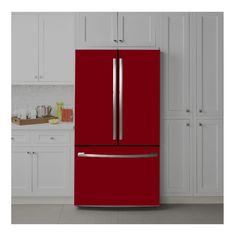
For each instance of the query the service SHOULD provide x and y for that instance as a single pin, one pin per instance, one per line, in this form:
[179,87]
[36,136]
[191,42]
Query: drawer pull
[82,154]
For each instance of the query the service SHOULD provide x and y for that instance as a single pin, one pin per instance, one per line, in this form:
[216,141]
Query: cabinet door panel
[136,29]
[176,156]
[98,29]
[24,48]
[51,171]
[56,48]
[210,157]
[210,64]
[140,109]
[21,172]
[94,113]
[175,64]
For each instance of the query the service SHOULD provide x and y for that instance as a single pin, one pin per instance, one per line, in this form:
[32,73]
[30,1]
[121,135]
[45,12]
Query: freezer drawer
[117,176]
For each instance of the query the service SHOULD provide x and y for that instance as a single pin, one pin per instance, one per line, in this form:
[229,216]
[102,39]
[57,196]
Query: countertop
[60,126]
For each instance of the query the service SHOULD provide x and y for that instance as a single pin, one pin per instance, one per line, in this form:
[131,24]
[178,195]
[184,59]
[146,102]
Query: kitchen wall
[27,96]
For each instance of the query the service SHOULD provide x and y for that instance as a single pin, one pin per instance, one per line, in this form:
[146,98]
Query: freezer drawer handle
[147,155]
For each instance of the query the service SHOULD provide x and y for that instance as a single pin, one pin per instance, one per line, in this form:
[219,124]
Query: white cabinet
[209,64]
[42,167]
[25,48]
[176,82]
[21,171]
[56,48]
[209,157]
[175,159]
[136,29]
[112,29]
[51,171]
[97,29]
[43,48]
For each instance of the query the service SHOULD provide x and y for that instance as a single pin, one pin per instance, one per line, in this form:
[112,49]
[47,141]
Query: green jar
[59,106]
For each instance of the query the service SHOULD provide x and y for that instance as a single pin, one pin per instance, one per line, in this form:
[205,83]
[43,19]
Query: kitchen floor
[165,214]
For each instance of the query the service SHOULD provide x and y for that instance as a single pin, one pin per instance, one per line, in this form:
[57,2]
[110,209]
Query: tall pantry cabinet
[192,104]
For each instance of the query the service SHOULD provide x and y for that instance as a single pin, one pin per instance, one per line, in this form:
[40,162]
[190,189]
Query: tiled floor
[165,214]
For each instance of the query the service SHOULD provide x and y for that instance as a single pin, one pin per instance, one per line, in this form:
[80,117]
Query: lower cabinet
[192,157]
[21,171]
[175,158]
[209,158]
[42,170]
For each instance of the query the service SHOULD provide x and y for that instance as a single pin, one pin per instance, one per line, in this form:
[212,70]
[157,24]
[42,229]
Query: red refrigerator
[117,128]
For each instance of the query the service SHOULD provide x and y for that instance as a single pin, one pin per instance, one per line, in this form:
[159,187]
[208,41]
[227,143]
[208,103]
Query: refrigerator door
[117,176]
[95,97]
[139,97]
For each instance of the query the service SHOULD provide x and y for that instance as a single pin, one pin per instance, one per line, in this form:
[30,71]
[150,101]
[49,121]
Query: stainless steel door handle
[147,155]
[121,99]
[114,99]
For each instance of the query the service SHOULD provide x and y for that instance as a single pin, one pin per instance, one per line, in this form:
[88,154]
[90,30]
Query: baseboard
[193,200]
[42,200]
[164,200]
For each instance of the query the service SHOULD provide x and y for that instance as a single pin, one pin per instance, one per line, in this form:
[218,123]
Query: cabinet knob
[188,124]
[52,138]
[200,110]
[36,77]
[200,124]
[40,76]
[121,40]
[115,40]
[28,152]
[12,138]
[187,110]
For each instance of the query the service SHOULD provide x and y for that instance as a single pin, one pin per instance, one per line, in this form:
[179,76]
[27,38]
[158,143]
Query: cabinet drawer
[20,137]
[51,138]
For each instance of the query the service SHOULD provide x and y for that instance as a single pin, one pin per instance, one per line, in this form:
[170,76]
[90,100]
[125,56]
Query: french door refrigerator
[117,128]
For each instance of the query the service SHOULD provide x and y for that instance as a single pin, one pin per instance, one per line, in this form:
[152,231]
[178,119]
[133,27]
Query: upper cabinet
[24,48]
[56,48]
[136,29]
[112,30]
[175,59]
[96,29]
[209,64]
[43,48]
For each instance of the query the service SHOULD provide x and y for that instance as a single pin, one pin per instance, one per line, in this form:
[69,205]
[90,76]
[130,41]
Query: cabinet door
[51,171]
[139,97]
[210,64]
[21,171]
[136,29]
[210,157]
[56,48]
[24,48]
[175,158]
[97,29]
[95,102]
[176,81]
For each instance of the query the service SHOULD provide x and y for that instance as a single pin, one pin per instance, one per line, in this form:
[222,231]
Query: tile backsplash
[28,96]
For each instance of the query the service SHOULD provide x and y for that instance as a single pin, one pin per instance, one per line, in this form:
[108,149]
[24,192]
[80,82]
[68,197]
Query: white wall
[27,96]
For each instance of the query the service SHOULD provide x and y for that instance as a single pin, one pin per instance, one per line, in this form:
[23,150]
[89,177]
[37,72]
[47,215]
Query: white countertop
[46,126]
